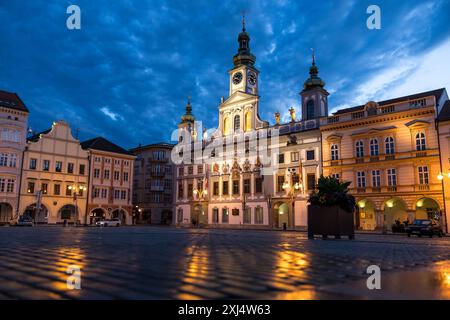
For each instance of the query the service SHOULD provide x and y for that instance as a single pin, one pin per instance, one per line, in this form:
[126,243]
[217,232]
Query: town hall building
[230,184]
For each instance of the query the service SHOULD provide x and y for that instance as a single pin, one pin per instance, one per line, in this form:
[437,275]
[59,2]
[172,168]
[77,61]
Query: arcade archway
[367,219]
[281,215]
[395,209]
[119,214]
[39,215]
[427,208]
[97,214]
[69,213]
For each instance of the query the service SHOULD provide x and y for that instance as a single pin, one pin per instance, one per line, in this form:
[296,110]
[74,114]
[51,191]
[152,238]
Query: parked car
[422,227]
[25,221]
[109,223]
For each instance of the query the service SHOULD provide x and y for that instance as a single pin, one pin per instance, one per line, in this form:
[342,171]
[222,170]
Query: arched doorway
[395,209]
[38,215]
[166,217]
[199,217]
[120,214]
[281,215]
[69,213]
[427,208]
[6,213]
[97,214]
[367,219]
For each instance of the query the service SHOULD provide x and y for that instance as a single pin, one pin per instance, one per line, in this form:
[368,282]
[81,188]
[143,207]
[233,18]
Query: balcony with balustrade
[365,113]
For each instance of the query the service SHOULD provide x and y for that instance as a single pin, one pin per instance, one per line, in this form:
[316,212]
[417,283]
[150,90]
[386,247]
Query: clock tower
[244,76]
[239,112]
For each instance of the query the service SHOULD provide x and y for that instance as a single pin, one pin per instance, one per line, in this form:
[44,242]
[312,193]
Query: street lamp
[76,192]
[291,188]
[441,178]
[200,193]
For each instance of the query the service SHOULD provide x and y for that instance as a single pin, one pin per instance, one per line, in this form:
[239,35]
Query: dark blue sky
[126,74]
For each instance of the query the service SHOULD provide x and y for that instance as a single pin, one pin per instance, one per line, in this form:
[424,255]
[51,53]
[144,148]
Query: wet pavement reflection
[169,263]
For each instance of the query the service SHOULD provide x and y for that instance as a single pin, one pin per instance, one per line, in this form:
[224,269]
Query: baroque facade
[13,133]
[389,151]
[55,177]
[237,180]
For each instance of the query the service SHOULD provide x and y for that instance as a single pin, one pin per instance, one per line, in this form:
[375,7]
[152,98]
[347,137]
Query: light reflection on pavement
[169,263]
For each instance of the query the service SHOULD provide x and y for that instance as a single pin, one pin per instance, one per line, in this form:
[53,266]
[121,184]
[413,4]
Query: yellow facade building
[444,146]
[389,151]
[54,177]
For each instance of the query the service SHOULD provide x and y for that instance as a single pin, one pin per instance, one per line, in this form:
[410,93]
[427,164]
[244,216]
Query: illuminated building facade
[55,177]
[13,133]
[227,185]
[110,181]
[389,151]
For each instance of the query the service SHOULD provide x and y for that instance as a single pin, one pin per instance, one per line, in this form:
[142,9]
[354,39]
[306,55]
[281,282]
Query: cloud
[290,29]
[139,60]
[112,115]
[411,74]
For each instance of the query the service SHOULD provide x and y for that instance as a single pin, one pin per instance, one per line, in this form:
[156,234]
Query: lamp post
[292,188]
[201,194]
[441,177]
[76,192]
[269,209]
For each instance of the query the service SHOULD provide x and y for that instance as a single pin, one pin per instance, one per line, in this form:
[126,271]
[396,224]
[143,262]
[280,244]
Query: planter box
[332,221]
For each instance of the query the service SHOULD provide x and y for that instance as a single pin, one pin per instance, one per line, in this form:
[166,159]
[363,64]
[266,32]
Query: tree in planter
[331,192]
[331,209]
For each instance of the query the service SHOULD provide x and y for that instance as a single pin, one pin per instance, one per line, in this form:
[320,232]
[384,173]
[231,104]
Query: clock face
[237,77]
[252,78]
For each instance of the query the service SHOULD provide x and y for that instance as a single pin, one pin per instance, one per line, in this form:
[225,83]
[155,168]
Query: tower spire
[314,79]
[244,56]
[188,117]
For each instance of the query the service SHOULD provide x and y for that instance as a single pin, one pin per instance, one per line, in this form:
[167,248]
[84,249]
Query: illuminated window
[248,121]
[226,126]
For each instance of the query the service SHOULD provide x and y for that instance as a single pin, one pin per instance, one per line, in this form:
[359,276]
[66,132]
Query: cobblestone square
[169,263]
